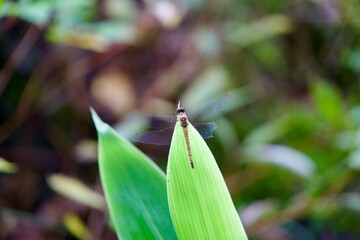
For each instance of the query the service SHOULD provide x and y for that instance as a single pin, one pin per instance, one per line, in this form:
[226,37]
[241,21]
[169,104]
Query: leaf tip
[99,124]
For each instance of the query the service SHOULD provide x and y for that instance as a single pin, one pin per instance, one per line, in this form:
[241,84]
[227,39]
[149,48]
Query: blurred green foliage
[288,146]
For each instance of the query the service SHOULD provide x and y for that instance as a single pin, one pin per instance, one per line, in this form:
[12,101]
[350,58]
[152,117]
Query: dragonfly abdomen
[184,124]
[186,134]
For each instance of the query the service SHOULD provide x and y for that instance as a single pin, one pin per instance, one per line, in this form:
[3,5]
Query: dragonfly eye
[180,110]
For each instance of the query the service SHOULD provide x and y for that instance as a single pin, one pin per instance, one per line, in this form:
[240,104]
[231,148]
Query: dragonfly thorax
[181,116]
[163,126]
[180,110]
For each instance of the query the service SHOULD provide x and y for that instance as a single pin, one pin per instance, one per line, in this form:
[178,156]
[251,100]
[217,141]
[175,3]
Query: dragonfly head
[180,109]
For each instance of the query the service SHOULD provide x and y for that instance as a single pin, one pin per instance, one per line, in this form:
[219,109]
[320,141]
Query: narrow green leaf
[75,225]
[282,156]
[200,204]
[73,189]
[134,187]
[260,30]
[7,167]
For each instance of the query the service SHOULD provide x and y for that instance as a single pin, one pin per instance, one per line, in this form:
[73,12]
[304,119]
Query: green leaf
[76,226]
[94,36]
[134,187]
[200,203]
[327,100]
[38,13]
[282,156]
[260,30]
[268,131]
[7,167]
[76,190]
[354,159]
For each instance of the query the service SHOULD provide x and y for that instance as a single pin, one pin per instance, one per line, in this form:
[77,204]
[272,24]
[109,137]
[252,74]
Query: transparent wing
[157,137]
[153,121]
[205,129]
[212,109]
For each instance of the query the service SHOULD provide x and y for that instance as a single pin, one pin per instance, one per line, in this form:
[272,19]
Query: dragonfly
[163,126]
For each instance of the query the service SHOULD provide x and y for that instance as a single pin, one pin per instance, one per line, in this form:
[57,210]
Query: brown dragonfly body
[181,116]
[163,126]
